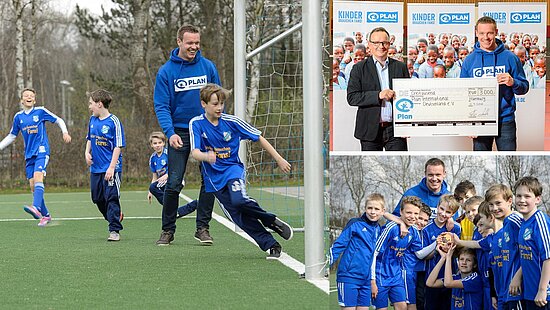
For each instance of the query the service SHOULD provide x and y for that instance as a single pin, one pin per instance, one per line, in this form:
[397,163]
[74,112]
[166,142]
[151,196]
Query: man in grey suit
[370,89]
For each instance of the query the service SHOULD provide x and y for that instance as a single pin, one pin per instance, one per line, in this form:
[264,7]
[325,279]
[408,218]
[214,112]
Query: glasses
[381,43]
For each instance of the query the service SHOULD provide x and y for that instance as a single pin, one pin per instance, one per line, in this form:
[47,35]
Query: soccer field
[69,264]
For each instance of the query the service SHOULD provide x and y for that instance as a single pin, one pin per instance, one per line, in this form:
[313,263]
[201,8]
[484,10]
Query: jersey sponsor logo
[364,229]
[488,71]
[454,18]
[226,136]
[527,234]
[35,118]
[105,129]
[382,17]
[190,83]
[204,135]
[525,18]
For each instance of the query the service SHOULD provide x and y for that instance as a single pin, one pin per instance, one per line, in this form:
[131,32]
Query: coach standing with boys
[177,101]
[369,89]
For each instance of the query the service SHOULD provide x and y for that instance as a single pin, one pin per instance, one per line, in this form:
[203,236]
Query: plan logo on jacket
[190,83]
[491,71]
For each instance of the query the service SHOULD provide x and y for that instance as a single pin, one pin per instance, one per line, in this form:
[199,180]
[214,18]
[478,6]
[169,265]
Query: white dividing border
[285,259]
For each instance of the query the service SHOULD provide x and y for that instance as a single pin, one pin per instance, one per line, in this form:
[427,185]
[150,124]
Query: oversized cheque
[445,107]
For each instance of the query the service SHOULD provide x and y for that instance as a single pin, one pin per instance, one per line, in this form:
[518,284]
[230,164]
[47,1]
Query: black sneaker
[203,236]
[165,238]
[283,229]
[275,251]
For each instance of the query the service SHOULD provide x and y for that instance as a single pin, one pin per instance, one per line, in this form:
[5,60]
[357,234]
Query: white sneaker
[113,236]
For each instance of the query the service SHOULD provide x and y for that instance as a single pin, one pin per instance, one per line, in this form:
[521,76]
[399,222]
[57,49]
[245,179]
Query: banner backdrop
[514,22]
[350,17]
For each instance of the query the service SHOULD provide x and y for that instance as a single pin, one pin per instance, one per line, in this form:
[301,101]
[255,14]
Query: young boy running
[158,163]
[104,156]
[215,138]
[356,247]
[388,262]
[534,244]
[31,122]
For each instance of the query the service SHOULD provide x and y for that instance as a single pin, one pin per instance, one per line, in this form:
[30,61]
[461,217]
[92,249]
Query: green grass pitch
[70,265]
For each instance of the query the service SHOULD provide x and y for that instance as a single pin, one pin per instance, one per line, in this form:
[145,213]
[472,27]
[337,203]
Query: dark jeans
[506,139]
[177,163]
[385,140]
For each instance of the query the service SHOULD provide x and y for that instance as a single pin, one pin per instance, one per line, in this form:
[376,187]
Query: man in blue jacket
[431,187]
[177,101]
[491,59]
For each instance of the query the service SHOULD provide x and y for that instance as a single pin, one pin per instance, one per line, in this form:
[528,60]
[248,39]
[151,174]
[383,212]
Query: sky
[67,6]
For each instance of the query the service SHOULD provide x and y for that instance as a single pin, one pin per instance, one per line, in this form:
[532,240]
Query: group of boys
[510,268]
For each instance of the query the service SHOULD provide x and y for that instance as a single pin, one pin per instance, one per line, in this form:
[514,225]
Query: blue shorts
[36,163]
[395,293]
[353,295]
[410,286]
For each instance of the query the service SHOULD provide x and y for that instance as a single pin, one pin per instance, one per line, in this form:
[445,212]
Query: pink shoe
[44,221]
[32,211]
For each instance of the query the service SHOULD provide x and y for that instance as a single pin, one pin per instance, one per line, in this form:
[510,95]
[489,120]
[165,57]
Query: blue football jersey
[33,128]
[429,236]
[471,296]
[509,251]
[483,264]
[391,249]
[159,163]
[224,140]
[534,246]
[104,135]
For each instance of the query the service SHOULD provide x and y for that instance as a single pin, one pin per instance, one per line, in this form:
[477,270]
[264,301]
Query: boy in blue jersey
[356,247]
[534,244]
[158,163]
[31,122]
[215,139]
[105,140]
[503,246]
[466,284]
[414,266]
[484,222]
[491,59]
[388,262]
[439,298]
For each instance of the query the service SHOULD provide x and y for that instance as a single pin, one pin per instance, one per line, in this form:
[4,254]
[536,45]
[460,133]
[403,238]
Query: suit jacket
[363,90]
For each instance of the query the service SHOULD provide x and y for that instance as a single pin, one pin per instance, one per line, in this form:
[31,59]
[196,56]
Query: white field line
[285,259]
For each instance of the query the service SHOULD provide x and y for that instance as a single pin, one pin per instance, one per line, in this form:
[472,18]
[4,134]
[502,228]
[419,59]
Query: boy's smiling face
[540,67]
[157,145]
[28,99]
[526,201]
[409,214]
[444,213]
[374,210]
[214,107]
[500,207]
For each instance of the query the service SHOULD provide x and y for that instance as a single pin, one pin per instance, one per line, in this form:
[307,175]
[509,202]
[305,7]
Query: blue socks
[38,199]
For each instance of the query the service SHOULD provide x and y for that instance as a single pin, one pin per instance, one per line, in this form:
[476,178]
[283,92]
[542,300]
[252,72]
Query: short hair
[413,47]
[210,89]
[531,183]
[412,200]
[484,209]
[476,219]
[360,46]
[534,47]
[377,197]
[338,46]
[540,57]
[464,187]
[432,47]
[28,89]
[472,201]
[434,162]
[379,29]
[422,40]
[187,28]
[468,251]
[463,48]
[157,135]
[426,209]
[486,20]
[498,189]
[520,48]
[449,49]
[393,47]
[409,60]
[350,39]
[450,201]
[101,95]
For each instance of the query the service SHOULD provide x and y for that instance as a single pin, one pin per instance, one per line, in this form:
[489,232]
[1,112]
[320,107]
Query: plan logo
[525,18]
[382,17]
[499,17]
[404,105]
[488,71]
[454,18]
[190,83]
